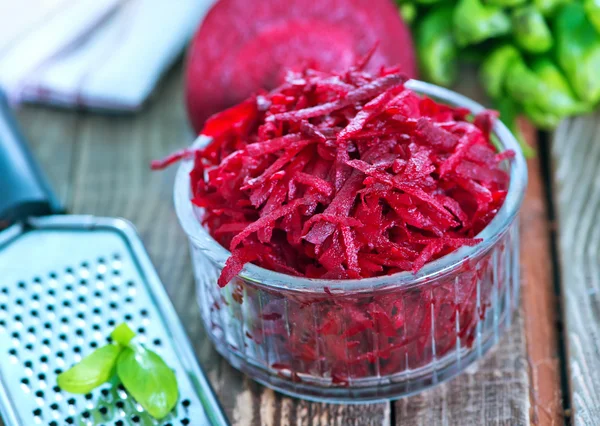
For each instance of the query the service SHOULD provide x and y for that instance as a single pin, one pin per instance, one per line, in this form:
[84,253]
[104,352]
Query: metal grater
[65,282]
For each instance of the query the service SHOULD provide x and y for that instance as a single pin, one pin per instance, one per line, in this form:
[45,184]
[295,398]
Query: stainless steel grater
[65,282]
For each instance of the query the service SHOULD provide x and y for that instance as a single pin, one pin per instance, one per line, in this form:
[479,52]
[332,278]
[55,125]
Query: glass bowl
[366,339]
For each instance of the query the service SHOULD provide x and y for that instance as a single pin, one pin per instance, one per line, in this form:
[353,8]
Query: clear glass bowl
[364,339]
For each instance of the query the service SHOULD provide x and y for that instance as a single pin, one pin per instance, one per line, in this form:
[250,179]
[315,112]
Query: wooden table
[99,165]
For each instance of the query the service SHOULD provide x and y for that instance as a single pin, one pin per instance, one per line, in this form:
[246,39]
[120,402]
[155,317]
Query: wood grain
[539,300]
[494,392]
[576,156]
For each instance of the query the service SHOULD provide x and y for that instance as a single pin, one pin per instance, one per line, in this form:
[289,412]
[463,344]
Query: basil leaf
[91,371]
[122,334]
[149,380]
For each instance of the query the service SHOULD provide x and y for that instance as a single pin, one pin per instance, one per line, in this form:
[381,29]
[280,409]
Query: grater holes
[51,292]
[28,364]
[64,320]
[66,303]
[71,401]
[60,354]
[97,311]
[2,324]
[114,288]
[77,349]
[48,326]
[135,419]
[97,294]
[130,283]
[37,412]
[80,315]
[141,330]
[57,389]
[39,394]
[69,420]
[88,396]
[93,345]
[113,305]
[29,346]
[186,403]
[119,423]
[111,322]
[18,319]
[58,371]
[157,342]
[42,377]
[128,299]
[79,332]
[37,280]
[3,307]
[103,410]
[16,336]
[19,302]
[43,359]
[69,288]
[35,297]
[185,421]
[96,327]
[128,317]
[34,313]
[46,342]
[21,285]
[54,406]
[53,275]
[4,290]
[53,423]
[82,299]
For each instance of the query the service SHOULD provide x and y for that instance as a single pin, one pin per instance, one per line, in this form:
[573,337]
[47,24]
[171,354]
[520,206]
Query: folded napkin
[106,54]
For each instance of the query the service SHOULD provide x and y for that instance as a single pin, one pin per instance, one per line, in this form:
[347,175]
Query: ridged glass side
[375,345]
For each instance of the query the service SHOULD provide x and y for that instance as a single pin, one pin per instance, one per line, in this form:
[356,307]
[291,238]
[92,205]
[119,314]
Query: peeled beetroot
[347,175]
[244,46]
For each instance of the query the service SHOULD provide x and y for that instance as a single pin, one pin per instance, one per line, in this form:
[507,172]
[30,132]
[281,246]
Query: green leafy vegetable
[149,380]
[578,51]
[530,30]
[436,44]
[143,373]
[122,334]
[475,22]
[495,68]
[92,371]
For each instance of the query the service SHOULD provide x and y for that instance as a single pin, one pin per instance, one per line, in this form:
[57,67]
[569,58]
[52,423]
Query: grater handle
[24,191]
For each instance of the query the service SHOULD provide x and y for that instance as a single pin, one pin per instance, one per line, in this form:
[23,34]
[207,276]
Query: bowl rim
[444,266]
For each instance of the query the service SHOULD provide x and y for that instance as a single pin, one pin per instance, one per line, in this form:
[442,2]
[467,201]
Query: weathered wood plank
[539,301]
[111,178]
[495,391]
[576,156]
[51,135]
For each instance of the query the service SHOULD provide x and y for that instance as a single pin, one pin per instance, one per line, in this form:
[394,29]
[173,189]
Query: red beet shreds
[244,46]
[315,181]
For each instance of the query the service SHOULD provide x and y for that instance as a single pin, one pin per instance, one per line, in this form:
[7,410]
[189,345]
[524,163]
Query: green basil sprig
[143,373]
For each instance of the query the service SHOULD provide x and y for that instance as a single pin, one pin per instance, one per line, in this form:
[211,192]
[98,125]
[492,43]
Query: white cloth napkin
[106,54]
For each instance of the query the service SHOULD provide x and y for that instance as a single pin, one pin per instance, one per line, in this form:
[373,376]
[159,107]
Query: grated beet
[351,175]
